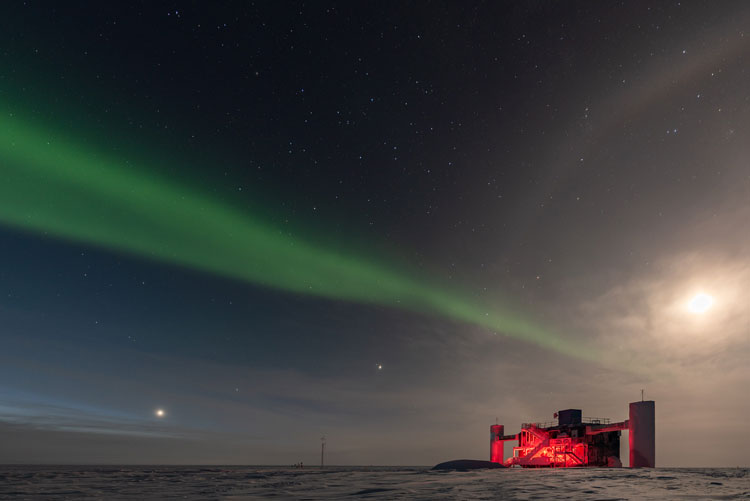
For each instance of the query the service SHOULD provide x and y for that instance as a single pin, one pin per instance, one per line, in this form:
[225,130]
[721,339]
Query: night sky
[386,223]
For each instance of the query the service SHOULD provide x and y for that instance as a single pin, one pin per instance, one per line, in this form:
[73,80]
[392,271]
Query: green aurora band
[55,186]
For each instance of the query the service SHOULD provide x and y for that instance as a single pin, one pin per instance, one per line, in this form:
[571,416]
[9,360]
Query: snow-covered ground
[233,482]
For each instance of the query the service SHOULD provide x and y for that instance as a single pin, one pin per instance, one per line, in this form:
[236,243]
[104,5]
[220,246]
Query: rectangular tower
[642,434]
[496,445]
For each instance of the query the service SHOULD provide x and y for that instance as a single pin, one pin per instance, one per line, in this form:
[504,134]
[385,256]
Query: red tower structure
[575,441]
[496,445]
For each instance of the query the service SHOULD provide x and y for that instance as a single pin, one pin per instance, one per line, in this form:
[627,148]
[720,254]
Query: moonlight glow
[159,413]
[700,303]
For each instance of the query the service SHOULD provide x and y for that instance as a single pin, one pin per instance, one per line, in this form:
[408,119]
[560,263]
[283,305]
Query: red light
[537,448]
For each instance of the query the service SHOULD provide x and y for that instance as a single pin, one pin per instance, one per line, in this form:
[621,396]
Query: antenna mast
[322,450]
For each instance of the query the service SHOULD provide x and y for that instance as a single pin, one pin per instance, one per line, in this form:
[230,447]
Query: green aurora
[65,188]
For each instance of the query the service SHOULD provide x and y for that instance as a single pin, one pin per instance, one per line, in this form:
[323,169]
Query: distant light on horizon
[700,303]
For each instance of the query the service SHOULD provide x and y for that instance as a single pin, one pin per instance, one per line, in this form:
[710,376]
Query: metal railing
[595,420]
[549,424]
[539,425]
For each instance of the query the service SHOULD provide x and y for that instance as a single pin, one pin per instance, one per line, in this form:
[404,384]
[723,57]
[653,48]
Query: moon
[160,413]
[700,303]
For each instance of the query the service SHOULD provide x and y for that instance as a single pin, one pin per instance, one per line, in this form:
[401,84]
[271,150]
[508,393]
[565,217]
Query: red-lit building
[575,441]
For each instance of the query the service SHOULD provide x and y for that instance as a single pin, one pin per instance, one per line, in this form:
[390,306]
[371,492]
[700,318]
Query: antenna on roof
[641,395]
